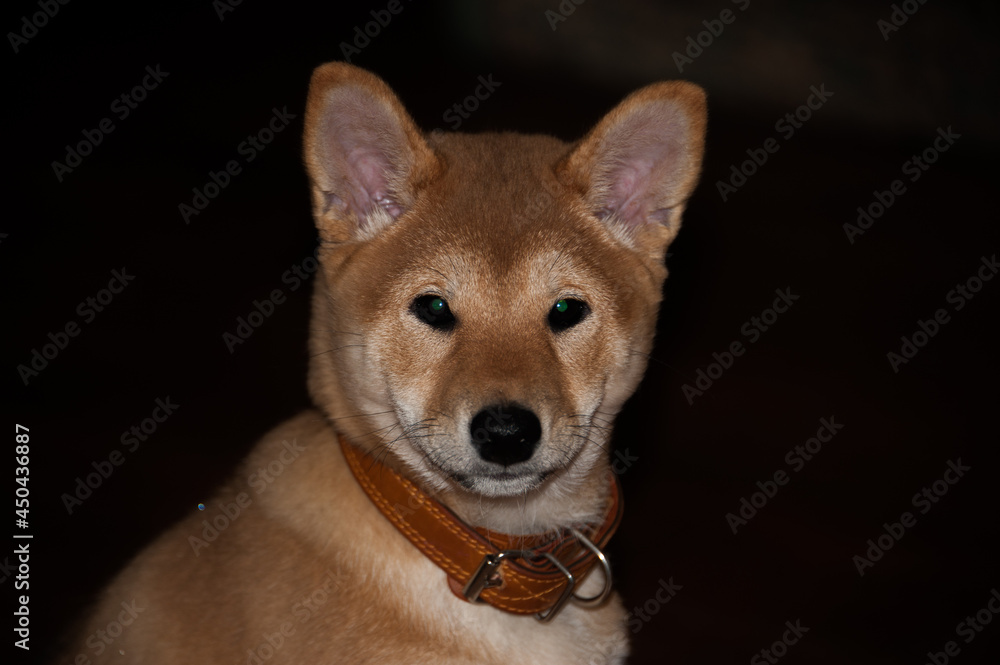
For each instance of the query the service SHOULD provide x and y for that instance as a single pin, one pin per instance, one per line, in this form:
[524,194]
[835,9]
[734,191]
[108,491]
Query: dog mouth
[504,481]
[505,455]
[511,481]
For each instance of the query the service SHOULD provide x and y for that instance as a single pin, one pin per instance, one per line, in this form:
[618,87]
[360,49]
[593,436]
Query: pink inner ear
[641,163]
[366,175]
[361,154]
[629,183]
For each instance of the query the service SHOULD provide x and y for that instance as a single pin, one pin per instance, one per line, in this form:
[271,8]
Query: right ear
[365,157]
[636,169]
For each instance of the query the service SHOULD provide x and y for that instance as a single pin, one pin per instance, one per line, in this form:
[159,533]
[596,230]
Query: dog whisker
[339,348]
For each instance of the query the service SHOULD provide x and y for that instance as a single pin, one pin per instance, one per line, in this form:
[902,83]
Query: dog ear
[637,167]
[365,157]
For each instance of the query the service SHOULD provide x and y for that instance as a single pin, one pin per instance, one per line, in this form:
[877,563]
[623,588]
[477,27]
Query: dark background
[826,357]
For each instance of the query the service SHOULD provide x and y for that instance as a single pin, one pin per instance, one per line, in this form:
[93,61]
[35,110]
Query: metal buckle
[488,576]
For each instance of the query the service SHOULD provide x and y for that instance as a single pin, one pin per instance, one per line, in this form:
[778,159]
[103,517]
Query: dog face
[487,302]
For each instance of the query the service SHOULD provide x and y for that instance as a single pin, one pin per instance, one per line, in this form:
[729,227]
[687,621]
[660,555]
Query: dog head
[487,303]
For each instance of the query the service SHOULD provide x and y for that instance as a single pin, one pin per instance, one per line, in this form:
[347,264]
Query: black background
[825,357]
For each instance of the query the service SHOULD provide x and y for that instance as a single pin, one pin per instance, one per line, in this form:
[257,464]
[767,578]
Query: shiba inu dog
[485,305]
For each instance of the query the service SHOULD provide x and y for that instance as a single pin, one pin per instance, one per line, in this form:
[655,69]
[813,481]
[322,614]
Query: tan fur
[501,226]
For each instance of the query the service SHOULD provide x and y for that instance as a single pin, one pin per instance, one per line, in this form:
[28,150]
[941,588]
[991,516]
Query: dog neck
[517,573]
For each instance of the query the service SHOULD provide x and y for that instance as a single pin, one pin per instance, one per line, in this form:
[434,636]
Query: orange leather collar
[518,574]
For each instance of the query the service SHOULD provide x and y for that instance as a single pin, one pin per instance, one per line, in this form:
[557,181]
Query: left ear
[637,167]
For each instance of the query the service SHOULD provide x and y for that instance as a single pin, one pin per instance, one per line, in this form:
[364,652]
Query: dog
[485,305]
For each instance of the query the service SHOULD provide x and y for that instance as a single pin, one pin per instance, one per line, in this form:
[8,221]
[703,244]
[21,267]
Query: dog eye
[434,311]
[566,313]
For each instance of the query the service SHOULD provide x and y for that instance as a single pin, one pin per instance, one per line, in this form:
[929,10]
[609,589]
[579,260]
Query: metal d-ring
[602,596]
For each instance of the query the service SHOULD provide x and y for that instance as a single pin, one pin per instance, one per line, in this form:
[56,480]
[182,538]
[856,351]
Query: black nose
[505,434]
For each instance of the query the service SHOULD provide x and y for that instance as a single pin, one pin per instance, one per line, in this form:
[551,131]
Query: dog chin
[501,484]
